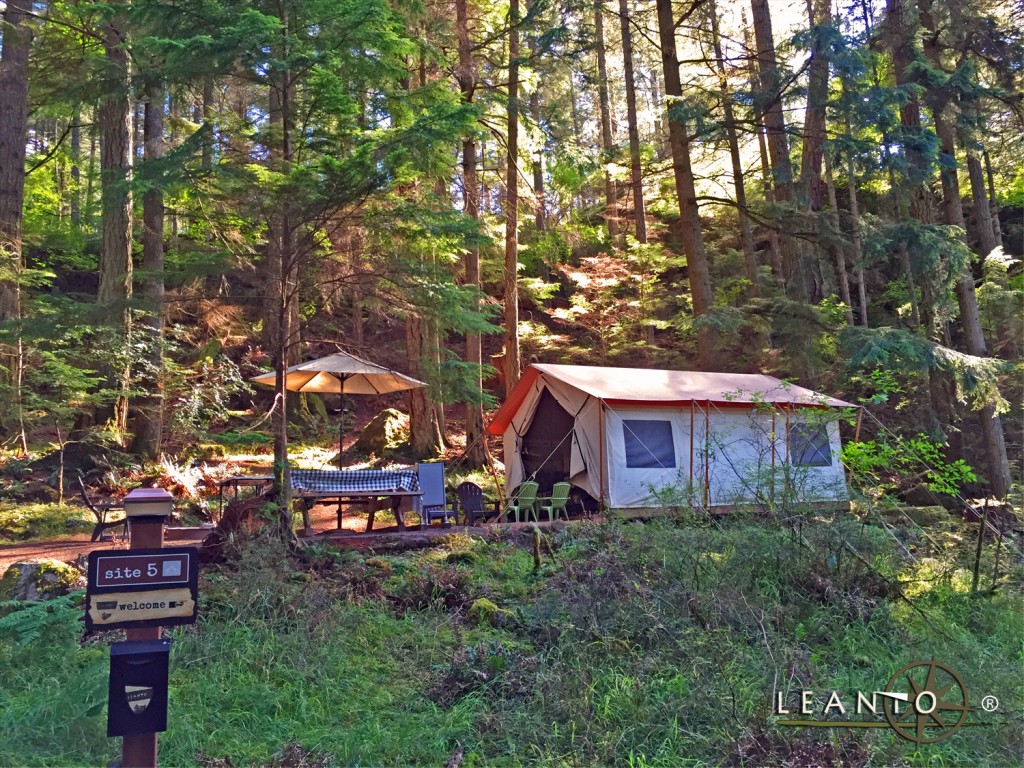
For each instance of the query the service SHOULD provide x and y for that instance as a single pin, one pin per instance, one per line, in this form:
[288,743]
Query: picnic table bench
[372,487]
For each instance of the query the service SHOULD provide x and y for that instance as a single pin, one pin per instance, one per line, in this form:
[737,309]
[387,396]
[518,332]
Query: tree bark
[833,219]
[540,218]
[982,213]
[901,44]
[855,240]
[76,172]
[739,188]
[148,416]
[17,43]
[770,87]
[511,271]
[693,244]
[611,197]
[819,17]
[475,455]
[997,229]
[282,270]
[115,288]
[635,169]
[425,435]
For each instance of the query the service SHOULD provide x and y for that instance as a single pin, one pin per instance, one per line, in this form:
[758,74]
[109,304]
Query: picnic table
[259,482]
[356,486]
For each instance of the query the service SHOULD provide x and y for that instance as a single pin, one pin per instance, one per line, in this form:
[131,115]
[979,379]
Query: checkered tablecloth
[343,481]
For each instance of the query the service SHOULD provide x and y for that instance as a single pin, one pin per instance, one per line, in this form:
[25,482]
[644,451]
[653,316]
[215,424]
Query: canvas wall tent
[625,435]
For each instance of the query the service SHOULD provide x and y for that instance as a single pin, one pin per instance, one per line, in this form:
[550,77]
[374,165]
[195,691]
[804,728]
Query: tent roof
[642,386]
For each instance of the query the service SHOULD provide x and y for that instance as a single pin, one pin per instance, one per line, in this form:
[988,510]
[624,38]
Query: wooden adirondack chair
[471,500]
[556,503]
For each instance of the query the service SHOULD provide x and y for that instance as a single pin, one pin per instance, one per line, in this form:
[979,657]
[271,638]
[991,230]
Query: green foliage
[373,660]
[975,378]
[200,394]
[887,465]
[22,521]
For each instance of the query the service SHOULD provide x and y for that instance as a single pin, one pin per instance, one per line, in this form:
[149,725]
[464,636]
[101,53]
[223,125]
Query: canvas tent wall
[630,436]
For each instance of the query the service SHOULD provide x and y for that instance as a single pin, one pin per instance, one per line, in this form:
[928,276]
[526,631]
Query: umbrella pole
[341,429]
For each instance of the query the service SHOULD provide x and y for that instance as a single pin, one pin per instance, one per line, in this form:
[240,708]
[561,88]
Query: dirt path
[322,519]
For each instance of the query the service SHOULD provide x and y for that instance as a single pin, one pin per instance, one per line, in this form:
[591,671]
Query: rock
[86,456]
[464,557]
[484,611]
[928,516]
[32,491]
[39,580]
[387,433]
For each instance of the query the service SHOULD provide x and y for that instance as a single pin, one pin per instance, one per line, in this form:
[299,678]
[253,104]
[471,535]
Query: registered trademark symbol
[990,703]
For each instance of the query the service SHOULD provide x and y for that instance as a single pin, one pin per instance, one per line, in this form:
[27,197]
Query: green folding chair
[525,501]
[556,503]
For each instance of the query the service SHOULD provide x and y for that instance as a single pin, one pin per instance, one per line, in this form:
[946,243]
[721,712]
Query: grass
[640,645]
[26,521]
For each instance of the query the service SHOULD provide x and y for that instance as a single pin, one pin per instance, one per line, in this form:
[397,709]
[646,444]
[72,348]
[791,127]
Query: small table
[311,498]
[242,481]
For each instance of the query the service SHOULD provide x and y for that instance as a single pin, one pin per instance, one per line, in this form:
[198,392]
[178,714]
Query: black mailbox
[137,700]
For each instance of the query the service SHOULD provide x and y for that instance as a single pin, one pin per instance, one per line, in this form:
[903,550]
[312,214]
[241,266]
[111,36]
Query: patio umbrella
[345,374]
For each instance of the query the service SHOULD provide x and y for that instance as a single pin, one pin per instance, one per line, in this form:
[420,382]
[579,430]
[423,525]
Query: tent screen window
[809,446]
[649,444]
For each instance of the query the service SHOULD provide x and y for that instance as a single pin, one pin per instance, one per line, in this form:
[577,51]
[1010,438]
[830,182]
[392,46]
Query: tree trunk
[611,197]
[115,276]
[540,205]
[76,171]
[901,43]
[635,171]
[953,213]
[511,272]
[282,273]
[980,205]
[425,435]
[820,17]
[834,234]
[207,158]
[484,201]
[475,456]
[693,243]
[855,239]
[812,188]
[89,204]
[660,139]
[770,87]
[997,229]
[148,416]
[17,42]
[746,235]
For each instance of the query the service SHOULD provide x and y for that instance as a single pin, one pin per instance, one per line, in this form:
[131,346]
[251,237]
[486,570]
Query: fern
[26,621]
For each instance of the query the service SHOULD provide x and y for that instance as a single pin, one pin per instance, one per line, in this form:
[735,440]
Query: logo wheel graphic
[936,702]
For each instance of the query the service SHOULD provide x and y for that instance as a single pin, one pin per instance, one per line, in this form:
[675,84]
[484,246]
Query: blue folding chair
[433,505]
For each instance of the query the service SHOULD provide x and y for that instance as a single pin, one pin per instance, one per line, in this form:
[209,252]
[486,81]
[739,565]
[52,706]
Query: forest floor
[645,644]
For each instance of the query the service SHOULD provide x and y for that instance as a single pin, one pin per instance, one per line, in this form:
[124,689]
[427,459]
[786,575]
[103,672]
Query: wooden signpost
[141,590]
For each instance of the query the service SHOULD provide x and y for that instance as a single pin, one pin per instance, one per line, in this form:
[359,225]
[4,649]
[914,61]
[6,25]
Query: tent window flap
[809,446]
[649,444]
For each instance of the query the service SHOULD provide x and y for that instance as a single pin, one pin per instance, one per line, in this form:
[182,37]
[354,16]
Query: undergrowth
[658,644]
[20,521]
